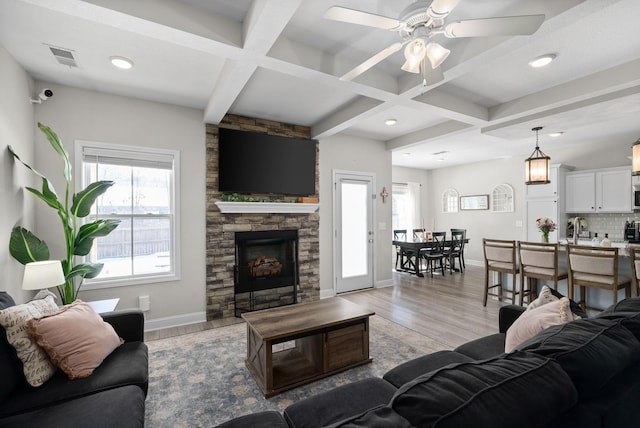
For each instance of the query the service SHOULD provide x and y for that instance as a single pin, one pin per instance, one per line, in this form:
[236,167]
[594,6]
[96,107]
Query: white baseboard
[325,294]
[385,283]
[175,321]
[474,262]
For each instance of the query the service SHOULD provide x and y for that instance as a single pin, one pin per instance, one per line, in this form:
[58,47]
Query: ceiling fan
[418,23]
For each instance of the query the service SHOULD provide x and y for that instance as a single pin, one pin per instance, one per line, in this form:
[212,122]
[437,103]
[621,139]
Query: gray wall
[344,152]
[17,130]
[87,115]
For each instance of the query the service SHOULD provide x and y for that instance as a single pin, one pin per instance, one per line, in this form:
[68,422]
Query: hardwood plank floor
[446,308]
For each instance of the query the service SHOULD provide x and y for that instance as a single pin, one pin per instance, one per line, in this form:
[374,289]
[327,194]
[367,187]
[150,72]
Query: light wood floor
[446,308]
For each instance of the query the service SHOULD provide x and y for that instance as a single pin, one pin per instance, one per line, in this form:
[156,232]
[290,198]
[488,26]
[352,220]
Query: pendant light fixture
[635,156]
[536,166]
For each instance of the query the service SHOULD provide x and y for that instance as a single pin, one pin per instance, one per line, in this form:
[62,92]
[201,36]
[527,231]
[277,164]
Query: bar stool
[634,256]
[596,268]
[538,261]
[499,257]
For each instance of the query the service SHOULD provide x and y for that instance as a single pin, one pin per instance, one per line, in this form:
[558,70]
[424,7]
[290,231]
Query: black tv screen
[252,162]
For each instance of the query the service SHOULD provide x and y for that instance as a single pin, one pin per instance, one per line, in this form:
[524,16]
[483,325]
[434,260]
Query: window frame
[503,192]
[172,275]
[449,195]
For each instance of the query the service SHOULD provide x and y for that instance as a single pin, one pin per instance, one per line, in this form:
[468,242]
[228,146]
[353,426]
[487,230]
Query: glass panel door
[354,231]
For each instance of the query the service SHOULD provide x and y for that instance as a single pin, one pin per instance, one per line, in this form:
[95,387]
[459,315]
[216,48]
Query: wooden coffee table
[293,345]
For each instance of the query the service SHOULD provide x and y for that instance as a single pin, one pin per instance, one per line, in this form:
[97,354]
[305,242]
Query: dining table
[413,247]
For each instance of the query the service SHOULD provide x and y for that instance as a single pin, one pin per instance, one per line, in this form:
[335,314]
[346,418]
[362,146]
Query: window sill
[266,207]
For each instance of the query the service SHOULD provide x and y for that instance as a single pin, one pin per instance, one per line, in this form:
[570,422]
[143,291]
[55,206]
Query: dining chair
[400,235]
[435,252]
[538,261]
[454,250]
[464,238]
[634,257]
[499,258]
[595,268]
[419,234]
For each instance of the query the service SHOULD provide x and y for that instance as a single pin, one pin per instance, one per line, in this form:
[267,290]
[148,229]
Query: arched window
[450,201]
[502,198]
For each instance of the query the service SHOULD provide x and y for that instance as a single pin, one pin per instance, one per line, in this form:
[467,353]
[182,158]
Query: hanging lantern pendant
[536,166]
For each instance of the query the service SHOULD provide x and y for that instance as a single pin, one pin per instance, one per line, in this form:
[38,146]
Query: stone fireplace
[222,229]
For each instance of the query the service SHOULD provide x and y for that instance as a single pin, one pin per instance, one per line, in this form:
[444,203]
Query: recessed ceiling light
[121,62]
[406,154]
[390,122]
[440,160]
[543,60]
[556,134]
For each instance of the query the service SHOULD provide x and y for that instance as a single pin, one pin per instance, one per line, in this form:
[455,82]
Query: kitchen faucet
[576,230]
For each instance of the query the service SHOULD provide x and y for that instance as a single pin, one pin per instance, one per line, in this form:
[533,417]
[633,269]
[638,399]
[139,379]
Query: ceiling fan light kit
[419,23]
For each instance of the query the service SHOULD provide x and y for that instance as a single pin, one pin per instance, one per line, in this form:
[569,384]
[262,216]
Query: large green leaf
[55,142]
[84,200]
[47,195]
[89,231]
[47,187]
[25,247]
[85,270]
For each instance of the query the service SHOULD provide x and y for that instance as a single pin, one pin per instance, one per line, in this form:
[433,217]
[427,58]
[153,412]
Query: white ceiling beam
[454,107]
[231,81]
[265,22]
[611,80]
[345,117]
[440,130]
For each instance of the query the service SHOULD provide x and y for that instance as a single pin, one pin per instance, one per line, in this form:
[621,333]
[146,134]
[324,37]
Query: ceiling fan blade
[372,61]
[502,26]
[353,16]
[442,8]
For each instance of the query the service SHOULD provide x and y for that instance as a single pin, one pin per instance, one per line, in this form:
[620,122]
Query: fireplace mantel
[266,207]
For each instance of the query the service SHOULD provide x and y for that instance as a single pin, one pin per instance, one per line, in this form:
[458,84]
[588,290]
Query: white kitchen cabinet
[549,190]
[539,208]
[546,200]
[605,190]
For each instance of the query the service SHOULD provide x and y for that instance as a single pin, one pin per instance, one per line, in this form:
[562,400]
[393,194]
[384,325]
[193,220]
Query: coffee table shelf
[328,336]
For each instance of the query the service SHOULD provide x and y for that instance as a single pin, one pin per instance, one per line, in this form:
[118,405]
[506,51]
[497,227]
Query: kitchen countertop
[621,245]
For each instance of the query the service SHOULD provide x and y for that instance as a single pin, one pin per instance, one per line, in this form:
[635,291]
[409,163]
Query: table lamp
[44,274]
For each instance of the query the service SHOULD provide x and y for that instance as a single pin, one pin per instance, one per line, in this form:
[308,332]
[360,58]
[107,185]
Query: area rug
[200,380]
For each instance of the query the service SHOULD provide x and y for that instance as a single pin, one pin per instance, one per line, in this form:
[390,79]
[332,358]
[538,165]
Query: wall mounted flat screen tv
[252,162]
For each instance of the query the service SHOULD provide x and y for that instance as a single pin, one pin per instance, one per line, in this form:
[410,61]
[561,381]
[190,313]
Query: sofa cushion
[484,347]
[631,304]
[339,403]
[267,419]
[120,407]
[491,393]
[10,365]
[378,417]
[410,370]
[36,365]
[76,338]
[534,320]
[591,351]
[127,365]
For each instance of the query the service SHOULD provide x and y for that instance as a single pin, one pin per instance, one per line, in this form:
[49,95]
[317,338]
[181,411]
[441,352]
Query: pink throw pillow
[76,338]
[535,320]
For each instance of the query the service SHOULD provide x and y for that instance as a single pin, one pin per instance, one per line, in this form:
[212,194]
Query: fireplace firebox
[266,269]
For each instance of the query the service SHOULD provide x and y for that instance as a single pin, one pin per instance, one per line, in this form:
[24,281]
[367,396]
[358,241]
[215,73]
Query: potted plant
[26,247]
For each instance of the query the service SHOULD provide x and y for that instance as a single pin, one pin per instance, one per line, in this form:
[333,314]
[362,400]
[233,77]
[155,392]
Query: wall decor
[474,202]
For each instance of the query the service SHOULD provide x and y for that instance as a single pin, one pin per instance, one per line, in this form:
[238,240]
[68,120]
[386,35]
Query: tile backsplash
[613,224]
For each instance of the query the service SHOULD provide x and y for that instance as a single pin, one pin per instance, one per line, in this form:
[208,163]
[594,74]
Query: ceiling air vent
[64,57]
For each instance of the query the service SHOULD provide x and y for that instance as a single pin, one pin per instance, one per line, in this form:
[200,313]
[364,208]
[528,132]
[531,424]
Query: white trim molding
[175,321]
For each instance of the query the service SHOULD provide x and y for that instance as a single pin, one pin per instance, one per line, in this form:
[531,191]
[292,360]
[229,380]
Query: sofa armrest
[507,315]
[129,324]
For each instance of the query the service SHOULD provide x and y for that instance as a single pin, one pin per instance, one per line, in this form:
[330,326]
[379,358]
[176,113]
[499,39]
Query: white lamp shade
[436,54]
[414,53]
[44,274]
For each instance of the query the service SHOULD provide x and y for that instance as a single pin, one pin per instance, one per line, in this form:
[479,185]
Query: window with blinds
[143,248]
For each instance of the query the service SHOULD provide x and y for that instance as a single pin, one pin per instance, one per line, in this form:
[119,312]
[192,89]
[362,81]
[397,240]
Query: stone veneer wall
[222,227]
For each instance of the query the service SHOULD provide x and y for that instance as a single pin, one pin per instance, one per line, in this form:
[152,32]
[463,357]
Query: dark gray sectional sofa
[585,373]
[113,396]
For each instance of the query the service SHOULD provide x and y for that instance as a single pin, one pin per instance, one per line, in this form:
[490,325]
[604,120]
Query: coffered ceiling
[282,60]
